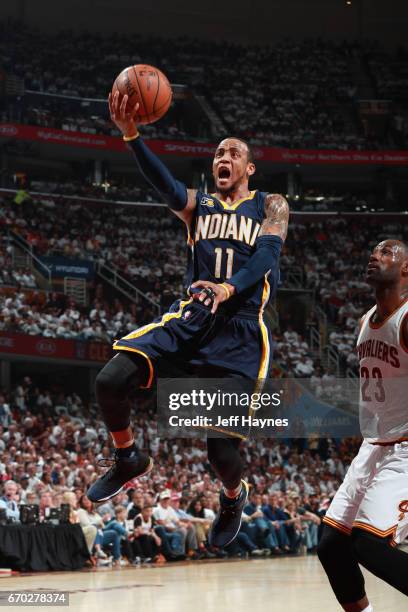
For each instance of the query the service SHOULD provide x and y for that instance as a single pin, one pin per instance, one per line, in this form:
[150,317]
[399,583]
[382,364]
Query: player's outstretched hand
[212,294]
[122,117]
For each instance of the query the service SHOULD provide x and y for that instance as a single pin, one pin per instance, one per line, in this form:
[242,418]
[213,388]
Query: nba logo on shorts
[187,314]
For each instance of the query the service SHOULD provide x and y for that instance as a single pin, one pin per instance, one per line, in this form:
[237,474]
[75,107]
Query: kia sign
[46,347]
[54,348]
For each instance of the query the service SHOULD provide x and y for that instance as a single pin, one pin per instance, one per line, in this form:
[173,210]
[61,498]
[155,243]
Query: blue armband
[265,259]
[155,172]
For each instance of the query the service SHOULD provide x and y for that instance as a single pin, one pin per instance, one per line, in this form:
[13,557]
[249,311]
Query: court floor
[287,585]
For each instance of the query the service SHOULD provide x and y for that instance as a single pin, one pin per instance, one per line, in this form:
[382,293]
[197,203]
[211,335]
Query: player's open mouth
[224,173]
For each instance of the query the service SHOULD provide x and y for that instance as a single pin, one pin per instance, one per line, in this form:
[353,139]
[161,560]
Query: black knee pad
[336,554]
[225,459]
[119,375]
[222,450]
[385,561]
[330,542]
[368,546]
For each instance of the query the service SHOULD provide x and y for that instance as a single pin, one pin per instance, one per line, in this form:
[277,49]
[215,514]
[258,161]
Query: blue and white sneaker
[123,468]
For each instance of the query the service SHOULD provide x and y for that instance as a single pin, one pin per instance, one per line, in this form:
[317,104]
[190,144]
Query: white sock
[369,608]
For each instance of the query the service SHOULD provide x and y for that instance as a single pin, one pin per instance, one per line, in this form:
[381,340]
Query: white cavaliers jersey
[383,377]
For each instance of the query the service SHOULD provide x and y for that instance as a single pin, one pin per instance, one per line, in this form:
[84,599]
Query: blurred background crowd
[264,104]
[53,446]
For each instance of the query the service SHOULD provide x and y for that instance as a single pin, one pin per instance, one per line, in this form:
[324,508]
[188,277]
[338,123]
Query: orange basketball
[148,86]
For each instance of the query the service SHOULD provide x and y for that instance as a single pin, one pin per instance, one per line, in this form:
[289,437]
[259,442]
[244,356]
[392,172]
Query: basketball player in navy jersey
[368,516]
[235,237]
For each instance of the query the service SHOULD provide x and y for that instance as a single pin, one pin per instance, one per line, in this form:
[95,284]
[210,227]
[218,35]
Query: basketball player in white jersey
[369,513]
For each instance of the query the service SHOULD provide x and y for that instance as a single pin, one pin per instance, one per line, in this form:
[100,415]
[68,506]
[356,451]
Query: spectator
[277,520]
[258,527]
[88,530]
[9,501]
[169,528]
[135,507]
[117,524]
[146,543]
[104,537]
[202,522]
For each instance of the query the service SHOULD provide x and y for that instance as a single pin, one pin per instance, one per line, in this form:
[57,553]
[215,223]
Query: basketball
[147,86]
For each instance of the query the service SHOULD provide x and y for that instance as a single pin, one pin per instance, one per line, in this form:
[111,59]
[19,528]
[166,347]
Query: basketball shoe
[124,466]
[228,519]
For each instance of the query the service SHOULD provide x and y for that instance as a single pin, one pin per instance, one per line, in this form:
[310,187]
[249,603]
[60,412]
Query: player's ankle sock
[124,440]
[369,608]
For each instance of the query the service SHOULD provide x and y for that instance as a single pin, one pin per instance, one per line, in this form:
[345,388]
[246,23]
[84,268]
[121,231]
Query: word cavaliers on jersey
[383,360]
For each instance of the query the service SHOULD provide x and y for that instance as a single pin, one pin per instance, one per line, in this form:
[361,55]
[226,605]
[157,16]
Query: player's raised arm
[179,199]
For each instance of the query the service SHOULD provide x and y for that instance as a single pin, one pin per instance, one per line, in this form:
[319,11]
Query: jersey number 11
[218,262]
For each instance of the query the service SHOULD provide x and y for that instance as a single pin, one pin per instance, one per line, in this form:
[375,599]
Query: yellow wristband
[129,138]
[227,291]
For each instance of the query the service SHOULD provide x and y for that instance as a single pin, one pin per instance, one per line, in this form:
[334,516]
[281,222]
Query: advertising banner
[53,348]
[75,268]
[204,150]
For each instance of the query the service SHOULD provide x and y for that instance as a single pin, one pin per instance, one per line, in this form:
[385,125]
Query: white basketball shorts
[374,494]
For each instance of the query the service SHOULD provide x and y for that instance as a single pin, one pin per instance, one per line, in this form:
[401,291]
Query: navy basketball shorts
[215,346]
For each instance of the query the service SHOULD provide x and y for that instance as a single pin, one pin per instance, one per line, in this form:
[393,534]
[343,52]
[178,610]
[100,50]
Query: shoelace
[109,462]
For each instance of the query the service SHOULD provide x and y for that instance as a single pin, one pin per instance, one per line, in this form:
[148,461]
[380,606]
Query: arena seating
[305,92]
[149,250]
[50,445]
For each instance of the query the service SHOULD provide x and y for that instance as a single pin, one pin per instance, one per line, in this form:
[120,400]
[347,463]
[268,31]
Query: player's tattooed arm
[277,216]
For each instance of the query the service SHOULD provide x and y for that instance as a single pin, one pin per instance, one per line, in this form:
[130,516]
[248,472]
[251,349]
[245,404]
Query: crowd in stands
[293,95]
[11,275]
[53,446]
[290,94]
[61,317]
[390,73]
[109,190]
[312,199]
[149,250]
[146,249]
[74,117]
[333,257]
[315,199]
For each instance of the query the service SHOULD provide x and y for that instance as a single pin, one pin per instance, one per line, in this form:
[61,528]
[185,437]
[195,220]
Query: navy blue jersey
[234,342]
[222,239]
